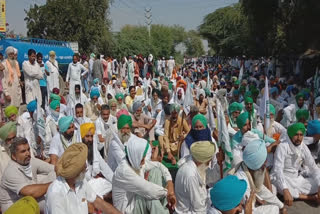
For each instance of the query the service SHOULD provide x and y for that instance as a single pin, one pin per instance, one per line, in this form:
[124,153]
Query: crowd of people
[149,136]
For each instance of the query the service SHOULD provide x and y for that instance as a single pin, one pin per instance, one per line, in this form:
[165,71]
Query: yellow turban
[71,163]
[85,128]
[26,205]
[202,151]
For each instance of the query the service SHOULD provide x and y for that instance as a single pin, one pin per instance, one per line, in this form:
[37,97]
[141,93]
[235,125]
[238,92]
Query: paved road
[300,207]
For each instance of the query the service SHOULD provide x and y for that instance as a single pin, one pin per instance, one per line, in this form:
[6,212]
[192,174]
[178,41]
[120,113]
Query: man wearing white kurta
[32,75]
[74,75]
[190,183]
[131,192]
[289,158]
[253,170]
[170,64]
[53,69]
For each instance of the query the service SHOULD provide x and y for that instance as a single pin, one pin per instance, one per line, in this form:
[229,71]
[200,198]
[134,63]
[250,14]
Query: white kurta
[289,114]
[53,78]
[74,76]
[32,75]
[127,184]
[288,161]
[27,130]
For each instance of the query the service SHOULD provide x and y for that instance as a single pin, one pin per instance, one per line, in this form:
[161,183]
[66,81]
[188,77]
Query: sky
[187,13]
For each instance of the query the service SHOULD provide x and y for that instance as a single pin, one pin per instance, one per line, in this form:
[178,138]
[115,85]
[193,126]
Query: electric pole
[148,16]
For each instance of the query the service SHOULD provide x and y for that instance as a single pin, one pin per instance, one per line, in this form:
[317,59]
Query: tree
[72,20]
[194,44]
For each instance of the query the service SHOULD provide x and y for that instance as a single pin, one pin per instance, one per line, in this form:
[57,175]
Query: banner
[3,16]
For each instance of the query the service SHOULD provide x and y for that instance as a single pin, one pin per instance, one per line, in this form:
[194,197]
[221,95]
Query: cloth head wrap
[25,205]
[302,113]
[32,106]
[96,80]
[55,97]
[248,100]
[52,53]
[72,162]
[201,118]
[237,82]
[119,95]
[313,127]
[136,105]
[8,128]
[202,151]
[255,154]
[54,104]
[236,92]
[248,94]
[174,108]
[85,128]
[201,92]
[10,110]
[110,102]
[242,119]
[298,96]
[227,193]
[92,55]
[9,50]
[272,109]
[294,128]
[136,150]
[274,90]
[56,90]
[64,123]
[235,106]
[94,93]
[123,120]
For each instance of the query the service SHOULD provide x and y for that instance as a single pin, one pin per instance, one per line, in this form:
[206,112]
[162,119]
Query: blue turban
[96,80]
[255,154]
[32,106]
[227,193]
[94,92]
[313,127]
[274,90]
[64,123]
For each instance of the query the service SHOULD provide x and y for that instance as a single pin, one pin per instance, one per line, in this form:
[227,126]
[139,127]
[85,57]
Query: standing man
[91,61]
[171,63]
[32,75]
[97,69]
[43,82]
[53,69]
[74,74]
[11,79]
[130,69]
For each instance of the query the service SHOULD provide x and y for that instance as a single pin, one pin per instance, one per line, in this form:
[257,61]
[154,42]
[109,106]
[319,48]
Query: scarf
[11,72]
[297,151]
[27,170]
[198,135]
[65,142]
[55,115]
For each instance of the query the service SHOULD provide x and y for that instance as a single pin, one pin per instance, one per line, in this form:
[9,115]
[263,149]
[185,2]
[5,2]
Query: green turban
[10,127]
[54,104]
[248,94]
[235,106]
[54,97]
[118,95]
[298,96]
[236,92]
[242,88]
[175,107]
[302,113]
[201,118]
[248,100]
[10,110]
[255,92]
[124,120]
[207,91]
[112,101]
[237,82]
[272,109]
[294,128]
[242,119]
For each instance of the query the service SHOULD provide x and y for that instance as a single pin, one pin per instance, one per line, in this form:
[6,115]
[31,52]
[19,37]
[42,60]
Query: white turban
[137,148]
[15,50]
[9,50]
[201,91]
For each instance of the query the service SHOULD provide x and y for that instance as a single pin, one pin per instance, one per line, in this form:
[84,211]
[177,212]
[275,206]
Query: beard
[113,113]
[202,169]
[90,151]
[137,116]
[258,178]
[124,137]
[12,62]
[68,136]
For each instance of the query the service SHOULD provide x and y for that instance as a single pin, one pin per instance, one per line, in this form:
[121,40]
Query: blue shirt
[43,82]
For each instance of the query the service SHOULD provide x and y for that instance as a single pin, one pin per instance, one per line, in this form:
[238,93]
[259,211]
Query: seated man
[289,158]
[70,192]
[233,113]
[161,119]
[106,126]
[79,119]
[190,182]
[253,171]
[92,108]
[116,150]
[143,126]
[20,177]
[78,97]
[226,197]
[201,102]
[63,139]
[99,175]
[176,128]
[11,112]
[131,192]
[7,133]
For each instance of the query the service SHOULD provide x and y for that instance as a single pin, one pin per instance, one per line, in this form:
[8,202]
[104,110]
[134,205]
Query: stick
[220,164]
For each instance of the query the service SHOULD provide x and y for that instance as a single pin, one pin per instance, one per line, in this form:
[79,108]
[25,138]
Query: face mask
[54,115]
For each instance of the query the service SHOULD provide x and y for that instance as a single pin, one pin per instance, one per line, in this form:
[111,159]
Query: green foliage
[194,44]
[72,20]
